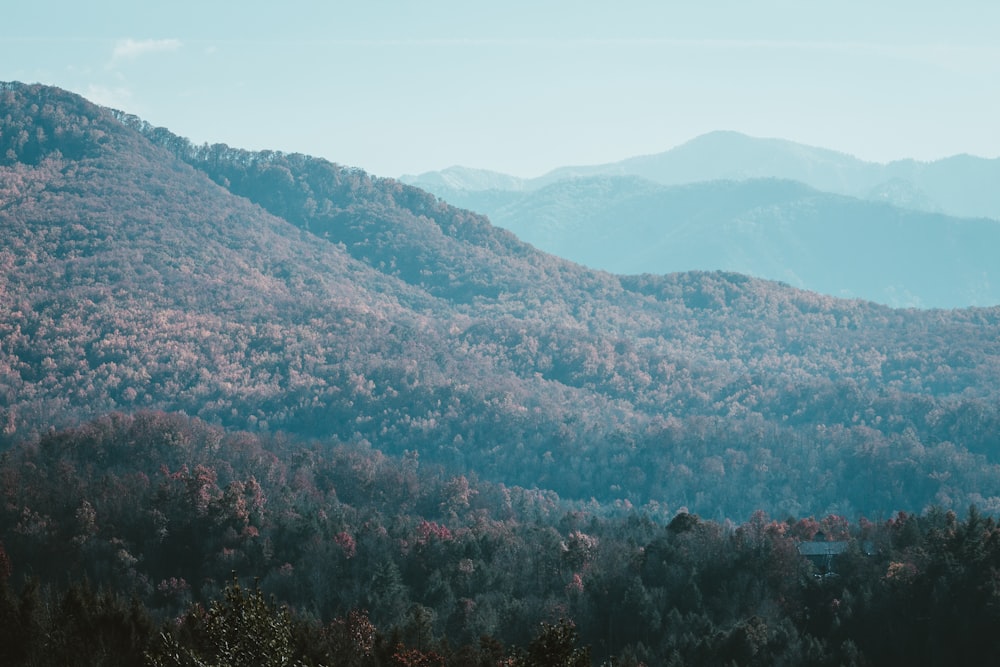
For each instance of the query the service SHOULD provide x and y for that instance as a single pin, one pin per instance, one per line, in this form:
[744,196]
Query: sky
[523,87]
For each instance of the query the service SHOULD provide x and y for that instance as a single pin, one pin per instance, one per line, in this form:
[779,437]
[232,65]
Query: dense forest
[253,385]
[153,536]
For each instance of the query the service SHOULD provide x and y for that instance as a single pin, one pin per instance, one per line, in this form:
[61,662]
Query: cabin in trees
[823,553]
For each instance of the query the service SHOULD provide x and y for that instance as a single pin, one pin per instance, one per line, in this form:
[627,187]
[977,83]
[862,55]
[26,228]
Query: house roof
[822,548]
[819,548]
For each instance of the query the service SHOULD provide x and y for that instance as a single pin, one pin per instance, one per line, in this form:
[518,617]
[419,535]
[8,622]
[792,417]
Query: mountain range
[906,234]
[284,293]
[961,185]
[775,229]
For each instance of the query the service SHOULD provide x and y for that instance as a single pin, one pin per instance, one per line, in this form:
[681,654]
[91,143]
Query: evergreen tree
[241,630]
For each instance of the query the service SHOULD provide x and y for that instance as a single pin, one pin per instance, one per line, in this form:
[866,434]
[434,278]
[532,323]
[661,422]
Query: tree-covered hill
[267,291]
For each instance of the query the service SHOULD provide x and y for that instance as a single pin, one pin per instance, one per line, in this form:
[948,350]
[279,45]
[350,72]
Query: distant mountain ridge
[961,185]
[769,228]
[854,228]
[464,178]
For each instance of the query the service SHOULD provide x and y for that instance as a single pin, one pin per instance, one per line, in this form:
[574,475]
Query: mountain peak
[465,178]
[41,121]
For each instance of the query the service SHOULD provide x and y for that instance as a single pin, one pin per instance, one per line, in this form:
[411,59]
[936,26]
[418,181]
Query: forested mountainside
[370,311]
[776,229]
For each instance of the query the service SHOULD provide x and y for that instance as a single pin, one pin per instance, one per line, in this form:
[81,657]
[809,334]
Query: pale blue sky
[523,87]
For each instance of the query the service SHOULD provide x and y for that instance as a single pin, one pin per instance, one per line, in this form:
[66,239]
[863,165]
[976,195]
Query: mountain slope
[779,230]
[138,281]
[272,291]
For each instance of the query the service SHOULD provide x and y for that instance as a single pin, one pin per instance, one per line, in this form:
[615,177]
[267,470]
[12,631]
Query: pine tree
[242,630]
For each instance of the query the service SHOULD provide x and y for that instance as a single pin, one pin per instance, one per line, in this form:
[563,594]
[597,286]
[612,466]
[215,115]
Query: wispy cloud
[128,49]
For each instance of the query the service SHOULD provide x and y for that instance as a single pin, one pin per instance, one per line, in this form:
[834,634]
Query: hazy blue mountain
[464,178]
[962,185]
[775,229]
[731,155]
[903,193]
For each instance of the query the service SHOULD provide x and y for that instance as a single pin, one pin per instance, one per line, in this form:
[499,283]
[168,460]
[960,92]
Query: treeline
[155,535]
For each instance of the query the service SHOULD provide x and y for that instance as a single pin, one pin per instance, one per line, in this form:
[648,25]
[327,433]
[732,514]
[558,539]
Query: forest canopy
[179,538]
